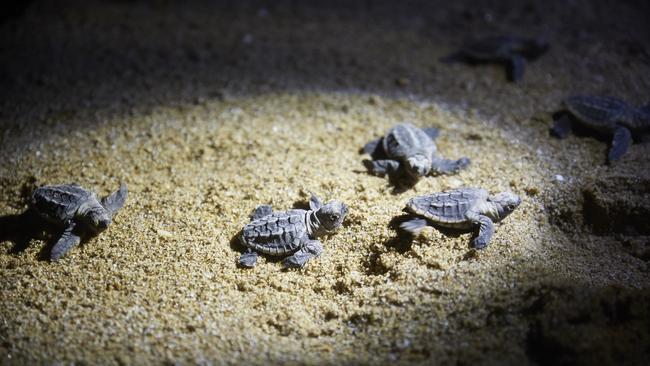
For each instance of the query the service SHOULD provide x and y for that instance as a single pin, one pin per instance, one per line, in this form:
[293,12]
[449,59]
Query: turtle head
[98,219]
[505,203]
[331,215]
[418,165]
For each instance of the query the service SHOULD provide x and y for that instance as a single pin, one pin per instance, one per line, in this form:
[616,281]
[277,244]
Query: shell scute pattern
[276,234]
[59,202]
[404,140]
[598,112]
[449,207]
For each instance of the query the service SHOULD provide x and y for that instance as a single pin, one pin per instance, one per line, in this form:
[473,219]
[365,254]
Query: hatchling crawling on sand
[513,52]
[608,116]
[464,209]
[291,233]
[409,151]
[79,211]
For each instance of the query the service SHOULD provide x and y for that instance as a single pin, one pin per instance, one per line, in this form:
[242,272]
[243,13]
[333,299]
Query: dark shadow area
[565,324]
[13,9]
[612,202]
[300,204]
[127,57]
[22,229]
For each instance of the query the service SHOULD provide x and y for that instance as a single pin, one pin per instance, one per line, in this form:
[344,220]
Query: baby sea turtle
[292,232]
[409,150]
[464,208]
[510,51]
[608,116]
[77,210]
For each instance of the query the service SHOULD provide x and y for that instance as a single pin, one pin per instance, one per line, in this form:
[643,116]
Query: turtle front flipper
[373,147]
[432,132]
[413,226]
[485,233]
[68,240]
[298,260]
[515,67]
[446,166]
[248,259]
[261,211]
[115,200]
[620,143]
[381,167]
[561,126]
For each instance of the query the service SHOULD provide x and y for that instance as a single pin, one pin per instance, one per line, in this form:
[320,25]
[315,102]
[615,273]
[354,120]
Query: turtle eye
[511,207]
[334,217]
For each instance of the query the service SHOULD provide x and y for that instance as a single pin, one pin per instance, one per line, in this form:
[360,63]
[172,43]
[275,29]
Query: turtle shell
[59,203]
[599,113]
[447,207]
[279,233]
[404,140]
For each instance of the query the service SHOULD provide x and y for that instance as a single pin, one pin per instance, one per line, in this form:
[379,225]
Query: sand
[209,110]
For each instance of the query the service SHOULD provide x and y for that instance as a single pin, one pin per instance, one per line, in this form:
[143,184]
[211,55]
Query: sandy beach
[208,110]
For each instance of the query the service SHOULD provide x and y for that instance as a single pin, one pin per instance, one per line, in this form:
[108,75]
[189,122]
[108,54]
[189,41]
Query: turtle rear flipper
[68,240]
[562,126]
[620,143]
[115,200]
[261,211]
[447,166]
[381,167]
[515,67]
[431,132]
[413,226]
[248,259]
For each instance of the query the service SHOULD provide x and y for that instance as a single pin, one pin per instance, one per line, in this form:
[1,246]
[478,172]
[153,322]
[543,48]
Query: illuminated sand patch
[162,283]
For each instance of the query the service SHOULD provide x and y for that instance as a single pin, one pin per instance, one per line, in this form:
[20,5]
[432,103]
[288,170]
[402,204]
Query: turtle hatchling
[291,233]
[409,151]
[464,209]
[608,116]
[79,211]
[513,52]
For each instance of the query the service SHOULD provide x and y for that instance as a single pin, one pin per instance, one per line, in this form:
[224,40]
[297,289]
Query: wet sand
[210,110]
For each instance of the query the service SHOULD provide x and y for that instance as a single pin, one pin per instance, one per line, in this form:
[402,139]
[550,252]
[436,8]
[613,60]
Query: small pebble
[559,178]
[164,233]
